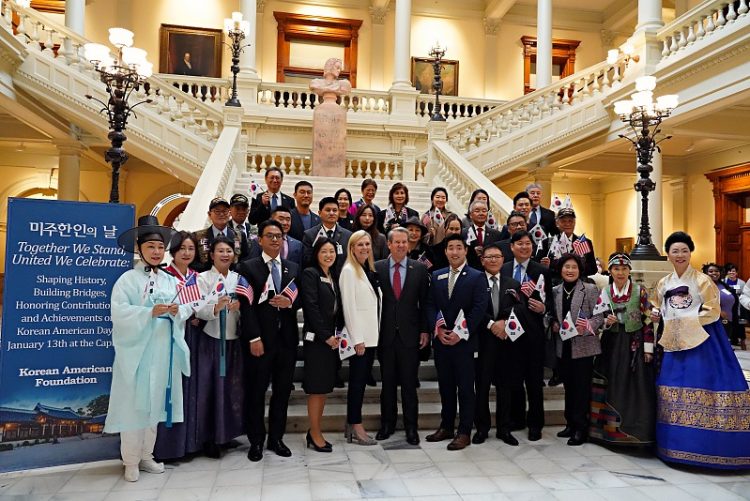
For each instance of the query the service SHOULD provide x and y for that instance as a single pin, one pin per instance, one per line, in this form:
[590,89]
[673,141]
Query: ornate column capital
[377,14]
[261,6]
[491,26]
[607,37]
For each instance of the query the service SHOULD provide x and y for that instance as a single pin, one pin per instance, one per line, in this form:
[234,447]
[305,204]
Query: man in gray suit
[403,331]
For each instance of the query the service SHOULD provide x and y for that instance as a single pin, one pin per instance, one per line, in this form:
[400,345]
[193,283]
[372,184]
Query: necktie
[533,220]
[276,276]
[274,202]
[495,297]
[397,280]
[284,248]
[330,234]
[240,228]
[452,281]
[480,238]
[518,275]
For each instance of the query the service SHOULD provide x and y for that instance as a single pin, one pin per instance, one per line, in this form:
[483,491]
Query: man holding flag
[536,288]
[269,329]
[579,245]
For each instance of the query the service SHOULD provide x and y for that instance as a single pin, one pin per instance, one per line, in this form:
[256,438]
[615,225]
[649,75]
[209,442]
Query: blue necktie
[276,276]
[533,220]
[274,203]
[518,275]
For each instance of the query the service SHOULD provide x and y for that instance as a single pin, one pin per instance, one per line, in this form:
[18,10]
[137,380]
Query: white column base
[403,106]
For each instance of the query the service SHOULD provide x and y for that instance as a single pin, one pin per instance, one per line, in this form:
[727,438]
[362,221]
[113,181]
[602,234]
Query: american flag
[584,323]
[582,246]
[439,322]
[189,292]
[423,259]
[243,288]
[290,291]
[528,287]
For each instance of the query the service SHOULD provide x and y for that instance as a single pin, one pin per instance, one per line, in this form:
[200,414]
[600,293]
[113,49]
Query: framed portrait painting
[185,50]
[422,75]
[624,244]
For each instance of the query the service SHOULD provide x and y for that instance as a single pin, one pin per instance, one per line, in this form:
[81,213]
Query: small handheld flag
[568,328]
[321,234]
[582,246]
[290,291]
[528,287]
[189,291]
[243,288]
[584,323]
[538,234]
[556,203]
[267,288]
[491,222]
[470,235]
[461,327]
[602,303]
[255,189]
[513,327]
[346,348]
[423,259]
[540,288]
[439,322]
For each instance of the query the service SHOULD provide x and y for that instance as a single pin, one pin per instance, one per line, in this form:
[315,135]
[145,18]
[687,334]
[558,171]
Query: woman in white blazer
[360,298]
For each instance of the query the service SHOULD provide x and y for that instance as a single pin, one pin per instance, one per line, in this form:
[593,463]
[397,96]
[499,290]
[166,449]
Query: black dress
[321,307]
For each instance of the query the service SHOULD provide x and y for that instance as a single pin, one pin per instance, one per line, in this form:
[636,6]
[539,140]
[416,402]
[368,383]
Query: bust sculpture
[330,81]
[329,122]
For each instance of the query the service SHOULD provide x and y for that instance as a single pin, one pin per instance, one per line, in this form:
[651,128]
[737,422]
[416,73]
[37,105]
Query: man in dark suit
[218,213]
[517,222]
[566,222]
[186,66]
[458,288]
[266,202]
[495,350]
[302,217]
[239,206]
[269,327]
[531,345]
[478,234]
[403,332]
[540,215]
[522,205]
[329,216]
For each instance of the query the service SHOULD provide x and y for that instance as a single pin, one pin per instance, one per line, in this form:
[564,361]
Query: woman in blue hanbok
[703,402]
[148,328]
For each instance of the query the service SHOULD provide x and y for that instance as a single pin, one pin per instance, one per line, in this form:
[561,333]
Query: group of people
[198,343]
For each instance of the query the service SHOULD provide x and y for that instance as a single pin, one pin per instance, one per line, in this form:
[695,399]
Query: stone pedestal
[647,273]
[329,138]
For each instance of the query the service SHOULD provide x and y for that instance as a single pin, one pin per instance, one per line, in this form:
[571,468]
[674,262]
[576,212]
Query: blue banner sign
[61,262]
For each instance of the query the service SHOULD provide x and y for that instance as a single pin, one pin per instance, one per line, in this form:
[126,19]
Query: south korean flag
[513,327]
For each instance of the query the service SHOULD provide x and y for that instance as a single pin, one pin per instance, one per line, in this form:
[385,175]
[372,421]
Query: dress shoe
[312,445]
[440,435]
[151,466]
[535,434]
[371,380]
[565,432]
[554,381]
[339,383]
[279,448]
[131,473]
[383,434]
[578,438]
[462,441]
[506,437]
[412,437]
[479,437]
[255,453]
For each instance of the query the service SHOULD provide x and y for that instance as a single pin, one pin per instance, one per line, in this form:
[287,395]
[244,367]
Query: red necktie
[397,281]
[480,238]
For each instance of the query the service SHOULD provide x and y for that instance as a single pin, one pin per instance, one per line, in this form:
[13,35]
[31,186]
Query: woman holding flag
[623,393]
[574,326]
[219,371]
[434,218]
[180,439]
[148,329]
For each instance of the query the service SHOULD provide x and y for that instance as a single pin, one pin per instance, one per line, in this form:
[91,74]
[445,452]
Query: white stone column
[649,15]
[74,15]
[597,209]
[69,173]
[402,46]
[377,15]
[491,27]
[247,58]
[543,43]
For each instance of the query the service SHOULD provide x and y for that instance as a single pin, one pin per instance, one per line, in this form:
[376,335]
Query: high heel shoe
[312,445]
[353,437]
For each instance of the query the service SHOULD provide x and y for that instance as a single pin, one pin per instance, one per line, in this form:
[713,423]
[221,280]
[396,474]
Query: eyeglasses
[492,258]
[520,224]
[222,212]
[273,236]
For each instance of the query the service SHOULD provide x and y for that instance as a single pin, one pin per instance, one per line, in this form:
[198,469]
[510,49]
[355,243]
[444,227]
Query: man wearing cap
[566,222]
[540,215]
[266,202]
[329,227]
[418,251]
[478,234]
[239,206]
[303,218]
[218,213]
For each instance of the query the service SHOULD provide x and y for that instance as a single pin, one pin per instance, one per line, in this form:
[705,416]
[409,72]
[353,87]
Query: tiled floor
[543,470]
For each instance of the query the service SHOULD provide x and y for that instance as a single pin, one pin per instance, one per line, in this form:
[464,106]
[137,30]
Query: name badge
[325,280]
[443,276]
[309,336]
[726,291]
[339,249]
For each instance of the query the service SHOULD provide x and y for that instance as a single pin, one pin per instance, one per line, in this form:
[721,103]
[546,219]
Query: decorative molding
[491,26]
[377,14]
[607,37]
[260,6]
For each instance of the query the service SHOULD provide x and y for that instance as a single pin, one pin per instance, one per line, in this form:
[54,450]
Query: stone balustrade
[453,107]
[299,96]
[214,91]
[700,23]
[585,85]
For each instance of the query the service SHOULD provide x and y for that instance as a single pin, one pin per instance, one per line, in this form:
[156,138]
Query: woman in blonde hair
[360,298]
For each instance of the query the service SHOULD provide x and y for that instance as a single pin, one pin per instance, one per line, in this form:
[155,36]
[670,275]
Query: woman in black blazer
[397,211]
[321,307]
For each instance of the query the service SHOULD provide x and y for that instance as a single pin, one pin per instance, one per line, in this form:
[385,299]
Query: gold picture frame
[624,244]
[191,51]
[422,75]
